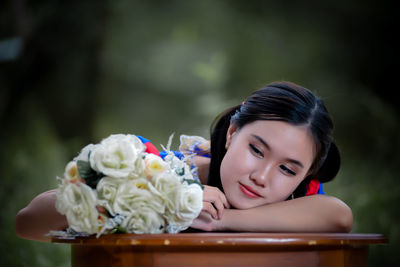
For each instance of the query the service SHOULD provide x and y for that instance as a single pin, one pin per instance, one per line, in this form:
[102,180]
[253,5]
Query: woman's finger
[208,207]
[224,201]
[211,194]
[216,198]
[219,206]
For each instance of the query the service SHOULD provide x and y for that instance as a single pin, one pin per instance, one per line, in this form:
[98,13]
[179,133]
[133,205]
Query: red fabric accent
[150,148]
[313,187]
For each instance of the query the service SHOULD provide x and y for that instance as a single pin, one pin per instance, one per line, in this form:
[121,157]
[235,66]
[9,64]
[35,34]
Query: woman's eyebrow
[294,161]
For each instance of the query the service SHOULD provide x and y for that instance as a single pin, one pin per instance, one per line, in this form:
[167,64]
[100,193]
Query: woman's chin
[242,205]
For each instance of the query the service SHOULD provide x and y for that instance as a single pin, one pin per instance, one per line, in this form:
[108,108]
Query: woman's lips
[248,191]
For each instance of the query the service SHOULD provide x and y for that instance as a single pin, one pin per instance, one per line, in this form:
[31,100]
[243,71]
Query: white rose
[144,221]
[188,207]
[71,172]
[77,202]
[106,192]
[167,185]
[190,202]
[154,165]
[117,156]
[138,168]
[133,195]
[84,154]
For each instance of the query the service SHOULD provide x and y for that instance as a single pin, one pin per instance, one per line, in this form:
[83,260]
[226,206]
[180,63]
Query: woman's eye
[287,170]
[256,150]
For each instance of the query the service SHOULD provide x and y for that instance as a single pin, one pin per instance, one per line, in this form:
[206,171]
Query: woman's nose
[261,176]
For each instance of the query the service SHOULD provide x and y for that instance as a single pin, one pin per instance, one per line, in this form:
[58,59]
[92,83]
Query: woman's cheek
[226,168]
[282,188]
[238,163]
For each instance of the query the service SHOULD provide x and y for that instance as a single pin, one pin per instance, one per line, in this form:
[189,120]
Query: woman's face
[265,162]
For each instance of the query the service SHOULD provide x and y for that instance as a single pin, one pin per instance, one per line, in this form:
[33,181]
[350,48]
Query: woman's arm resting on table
[39,217]
[317,213]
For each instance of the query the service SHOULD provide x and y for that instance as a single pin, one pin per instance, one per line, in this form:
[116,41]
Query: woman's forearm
[316,213]
[39,217]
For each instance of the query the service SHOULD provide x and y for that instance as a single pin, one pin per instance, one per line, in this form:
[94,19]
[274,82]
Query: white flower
[138,191]
[133,195]
[167,185]
[188,207]
[106,192]
[77,202]
[144,221]
[71,172]
[190,202]
[154,165]
[118,156]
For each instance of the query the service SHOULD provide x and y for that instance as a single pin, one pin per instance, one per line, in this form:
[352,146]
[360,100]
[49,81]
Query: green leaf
[180,171]
[121,229]
[90,176]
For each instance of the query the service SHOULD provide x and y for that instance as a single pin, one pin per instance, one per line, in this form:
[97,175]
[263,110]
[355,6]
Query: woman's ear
[229,134]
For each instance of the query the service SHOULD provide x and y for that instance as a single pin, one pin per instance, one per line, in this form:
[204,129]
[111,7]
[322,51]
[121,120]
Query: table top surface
[228,239]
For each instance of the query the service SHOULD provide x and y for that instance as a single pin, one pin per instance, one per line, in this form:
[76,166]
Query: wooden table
[222,249]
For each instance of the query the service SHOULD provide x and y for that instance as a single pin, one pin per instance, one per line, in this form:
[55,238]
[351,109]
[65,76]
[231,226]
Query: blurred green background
[73,72]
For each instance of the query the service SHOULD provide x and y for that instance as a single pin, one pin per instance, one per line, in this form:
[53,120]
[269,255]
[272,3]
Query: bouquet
[115,186]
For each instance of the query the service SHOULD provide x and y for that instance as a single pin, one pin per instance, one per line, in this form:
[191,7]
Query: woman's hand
[204,222]
[214,203]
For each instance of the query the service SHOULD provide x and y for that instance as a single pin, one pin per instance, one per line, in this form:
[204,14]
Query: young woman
[268,158]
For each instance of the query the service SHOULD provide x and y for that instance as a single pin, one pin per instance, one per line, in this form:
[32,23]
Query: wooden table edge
[227,239]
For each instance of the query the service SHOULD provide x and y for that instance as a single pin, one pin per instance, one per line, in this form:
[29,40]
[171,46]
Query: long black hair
[280,101]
